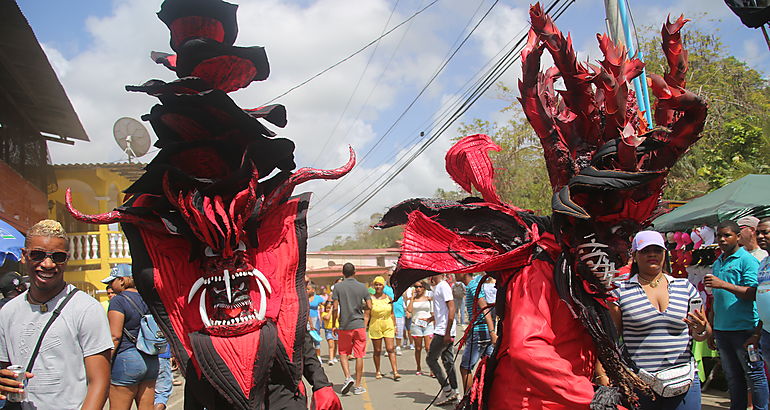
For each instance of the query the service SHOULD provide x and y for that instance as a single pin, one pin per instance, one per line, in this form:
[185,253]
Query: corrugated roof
[28,82]
[129,170]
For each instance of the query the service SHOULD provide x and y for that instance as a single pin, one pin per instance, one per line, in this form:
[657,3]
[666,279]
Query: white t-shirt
[442,293]
[763,293]
[60,374]
[490,291]
[759,253]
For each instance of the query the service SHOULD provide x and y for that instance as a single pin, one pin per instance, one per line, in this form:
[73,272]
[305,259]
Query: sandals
[396,376]
[418,373]
[378,376]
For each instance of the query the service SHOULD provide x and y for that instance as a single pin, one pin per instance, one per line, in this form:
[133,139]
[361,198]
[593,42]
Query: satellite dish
[132,137]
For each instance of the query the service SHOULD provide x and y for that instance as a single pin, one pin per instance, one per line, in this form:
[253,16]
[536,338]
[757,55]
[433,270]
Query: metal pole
[640,87]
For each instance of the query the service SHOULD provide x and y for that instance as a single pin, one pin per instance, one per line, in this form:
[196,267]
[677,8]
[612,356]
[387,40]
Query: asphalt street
[410,392]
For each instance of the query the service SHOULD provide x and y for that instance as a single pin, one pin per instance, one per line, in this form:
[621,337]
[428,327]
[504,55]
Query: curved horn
[306,174]
[105,218]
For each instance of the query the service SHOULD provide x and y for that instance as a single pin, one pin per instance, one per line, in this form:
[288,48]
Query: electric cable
[419,94]
[352,55]
[489,81]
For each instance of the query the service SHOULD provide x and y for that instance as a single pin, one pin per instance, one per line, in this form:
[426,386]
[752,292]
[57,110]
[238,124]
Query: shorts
[400,327]
[420,330]
[382,328]
[354,341]
[132,367]
[475,350]
[330,334]
[408,324]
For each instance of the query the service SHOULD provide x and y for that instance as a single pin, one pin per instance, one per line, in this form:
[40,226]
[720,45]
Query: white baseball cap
[644,239]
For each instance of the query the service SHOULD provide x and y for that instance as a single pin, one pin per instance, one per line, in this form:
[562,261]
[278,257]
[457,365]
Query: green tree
[367,238]
[735,140]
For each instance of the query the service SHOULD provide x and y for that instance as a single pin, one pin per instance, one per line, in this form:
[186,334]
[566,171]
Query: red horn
[303,175]
[101,219]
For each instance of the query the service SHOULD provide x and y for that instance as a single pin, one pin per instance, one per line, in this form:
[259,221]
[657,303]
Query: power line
[354,54]
[499,69]
[355,89]
[438,71]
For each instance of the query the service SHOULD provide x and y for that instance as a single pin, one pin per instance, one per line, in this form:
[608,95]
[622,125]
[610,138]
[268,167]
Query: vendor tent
[749,195]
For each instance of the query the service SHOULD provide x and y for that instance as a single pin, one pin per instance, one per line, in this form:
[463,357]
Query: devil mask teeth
[263,287]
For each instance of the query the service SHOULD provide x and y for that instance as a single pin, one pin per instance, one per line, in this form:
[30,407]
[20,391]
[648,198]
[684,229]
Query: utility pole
[619,30]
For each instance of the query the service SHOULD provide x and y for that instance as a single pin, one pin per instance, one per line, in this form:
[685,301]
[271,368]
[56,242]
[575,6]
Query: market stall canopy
[11,242]
[747,196]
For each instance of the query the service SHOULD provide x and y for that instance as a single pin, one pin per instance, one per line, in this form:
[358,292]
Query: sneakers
[359,390]
[446,397]
[330,362]
[349,382]
[398,351]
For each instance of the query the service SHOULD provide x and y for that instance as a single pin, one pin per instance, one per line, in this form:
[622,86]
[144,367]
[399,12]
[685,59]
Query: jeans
[446,352]
[740,372]
[131,367]
[163,384]
[477,346]
[686,401]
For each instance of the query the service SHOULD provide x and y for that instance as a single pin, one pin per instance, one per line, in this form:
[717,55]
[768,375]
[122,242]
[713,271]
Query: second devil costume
[553,273]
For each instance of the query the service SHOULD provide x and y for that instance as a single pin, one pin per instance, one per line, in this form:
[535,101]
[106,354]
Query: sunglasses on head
[57,257]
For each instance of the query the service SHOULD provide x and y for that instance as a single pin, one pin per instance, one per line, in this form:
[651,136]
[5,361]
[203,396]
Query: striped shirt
[470,299]
[656,340]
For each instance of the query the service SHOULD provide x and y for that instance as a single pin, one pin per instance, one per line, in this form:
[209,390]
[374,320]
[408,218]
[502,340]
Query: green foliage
[368,238]
[735,139]
[521,178]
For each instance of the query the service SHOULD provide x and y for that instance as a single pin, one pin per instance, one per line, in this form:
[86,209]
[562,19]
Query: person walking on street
[442,344]
[483,337]
[352,303]
[329,326]
[420,310]
[734,319]
[133,371]
[382,326]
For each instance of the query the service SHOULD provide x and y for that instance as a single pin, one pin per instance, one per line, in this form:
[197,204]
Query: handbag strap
[55,314]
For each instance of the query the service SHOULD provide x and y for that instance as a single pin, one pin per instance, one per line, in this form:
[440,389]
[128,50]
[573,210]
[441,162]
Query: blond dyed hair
[46,228]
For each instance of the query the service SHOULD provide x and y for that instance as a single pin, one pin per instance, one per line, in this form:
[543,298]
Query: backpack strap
[138,310]
[55,314]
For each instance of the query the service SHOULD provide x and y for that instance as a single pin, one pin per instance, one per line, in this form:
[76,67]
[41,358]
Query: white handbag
[672,381]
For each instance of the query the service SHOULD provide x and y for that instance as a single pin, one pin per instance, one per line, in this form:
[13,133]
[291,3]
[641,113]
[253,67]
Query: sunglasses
[419,287]
[39,256]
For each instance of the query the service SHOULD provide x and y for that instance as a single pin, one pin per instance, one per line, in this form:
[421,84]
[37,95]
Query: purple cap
[644,239]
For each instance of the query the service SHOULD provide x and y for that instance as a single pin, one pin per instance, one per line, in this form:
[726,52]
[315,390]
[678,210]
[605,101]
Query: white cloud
[301,39]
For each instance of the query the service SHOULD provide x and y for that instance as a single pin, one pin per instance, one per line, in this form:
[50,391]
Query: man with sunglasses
[72,367]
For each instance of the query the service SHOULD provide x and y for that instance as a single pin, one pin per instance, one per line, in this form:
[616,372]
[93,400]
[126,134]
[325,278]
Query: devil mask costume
[217,239]
[553,273]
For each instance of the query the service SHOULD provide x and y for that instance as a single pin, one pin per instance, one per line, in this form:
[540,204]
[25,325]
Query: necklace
[652,283]
[43,305]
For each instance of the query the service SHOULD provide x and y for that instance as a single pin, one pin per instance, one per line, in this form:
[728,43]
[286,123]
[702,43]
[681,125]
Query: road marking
[365,396]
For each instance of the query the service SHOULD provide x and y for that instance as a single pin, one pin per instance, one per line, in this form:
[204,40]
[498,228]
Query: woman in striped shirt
[651,312]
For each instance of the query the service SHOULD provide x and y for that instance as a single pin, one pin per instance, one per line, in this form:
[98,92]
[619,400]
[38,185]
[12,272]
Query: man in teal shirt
[734,318]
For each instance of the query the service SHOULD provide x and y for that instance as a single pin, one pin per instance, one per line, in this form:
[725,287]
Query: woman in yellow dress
[382,325]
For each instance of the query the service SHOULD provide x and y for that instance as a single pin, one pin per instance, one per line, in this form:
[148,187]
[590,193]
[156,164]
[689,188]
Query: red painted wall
[21,204]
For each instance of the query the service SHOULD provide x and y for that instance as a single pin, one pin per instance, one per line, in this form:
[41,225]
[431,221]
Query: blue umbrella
[11,242]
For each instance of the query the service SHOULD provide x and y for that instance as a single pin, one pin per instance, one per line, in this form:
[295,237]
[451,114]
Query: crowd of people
[658,317]
[94,357]
[425,318]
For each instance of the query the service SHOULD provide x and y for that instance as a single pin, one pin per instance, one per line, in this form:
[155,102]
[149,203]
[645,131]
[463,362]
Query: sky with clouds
[98,46]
